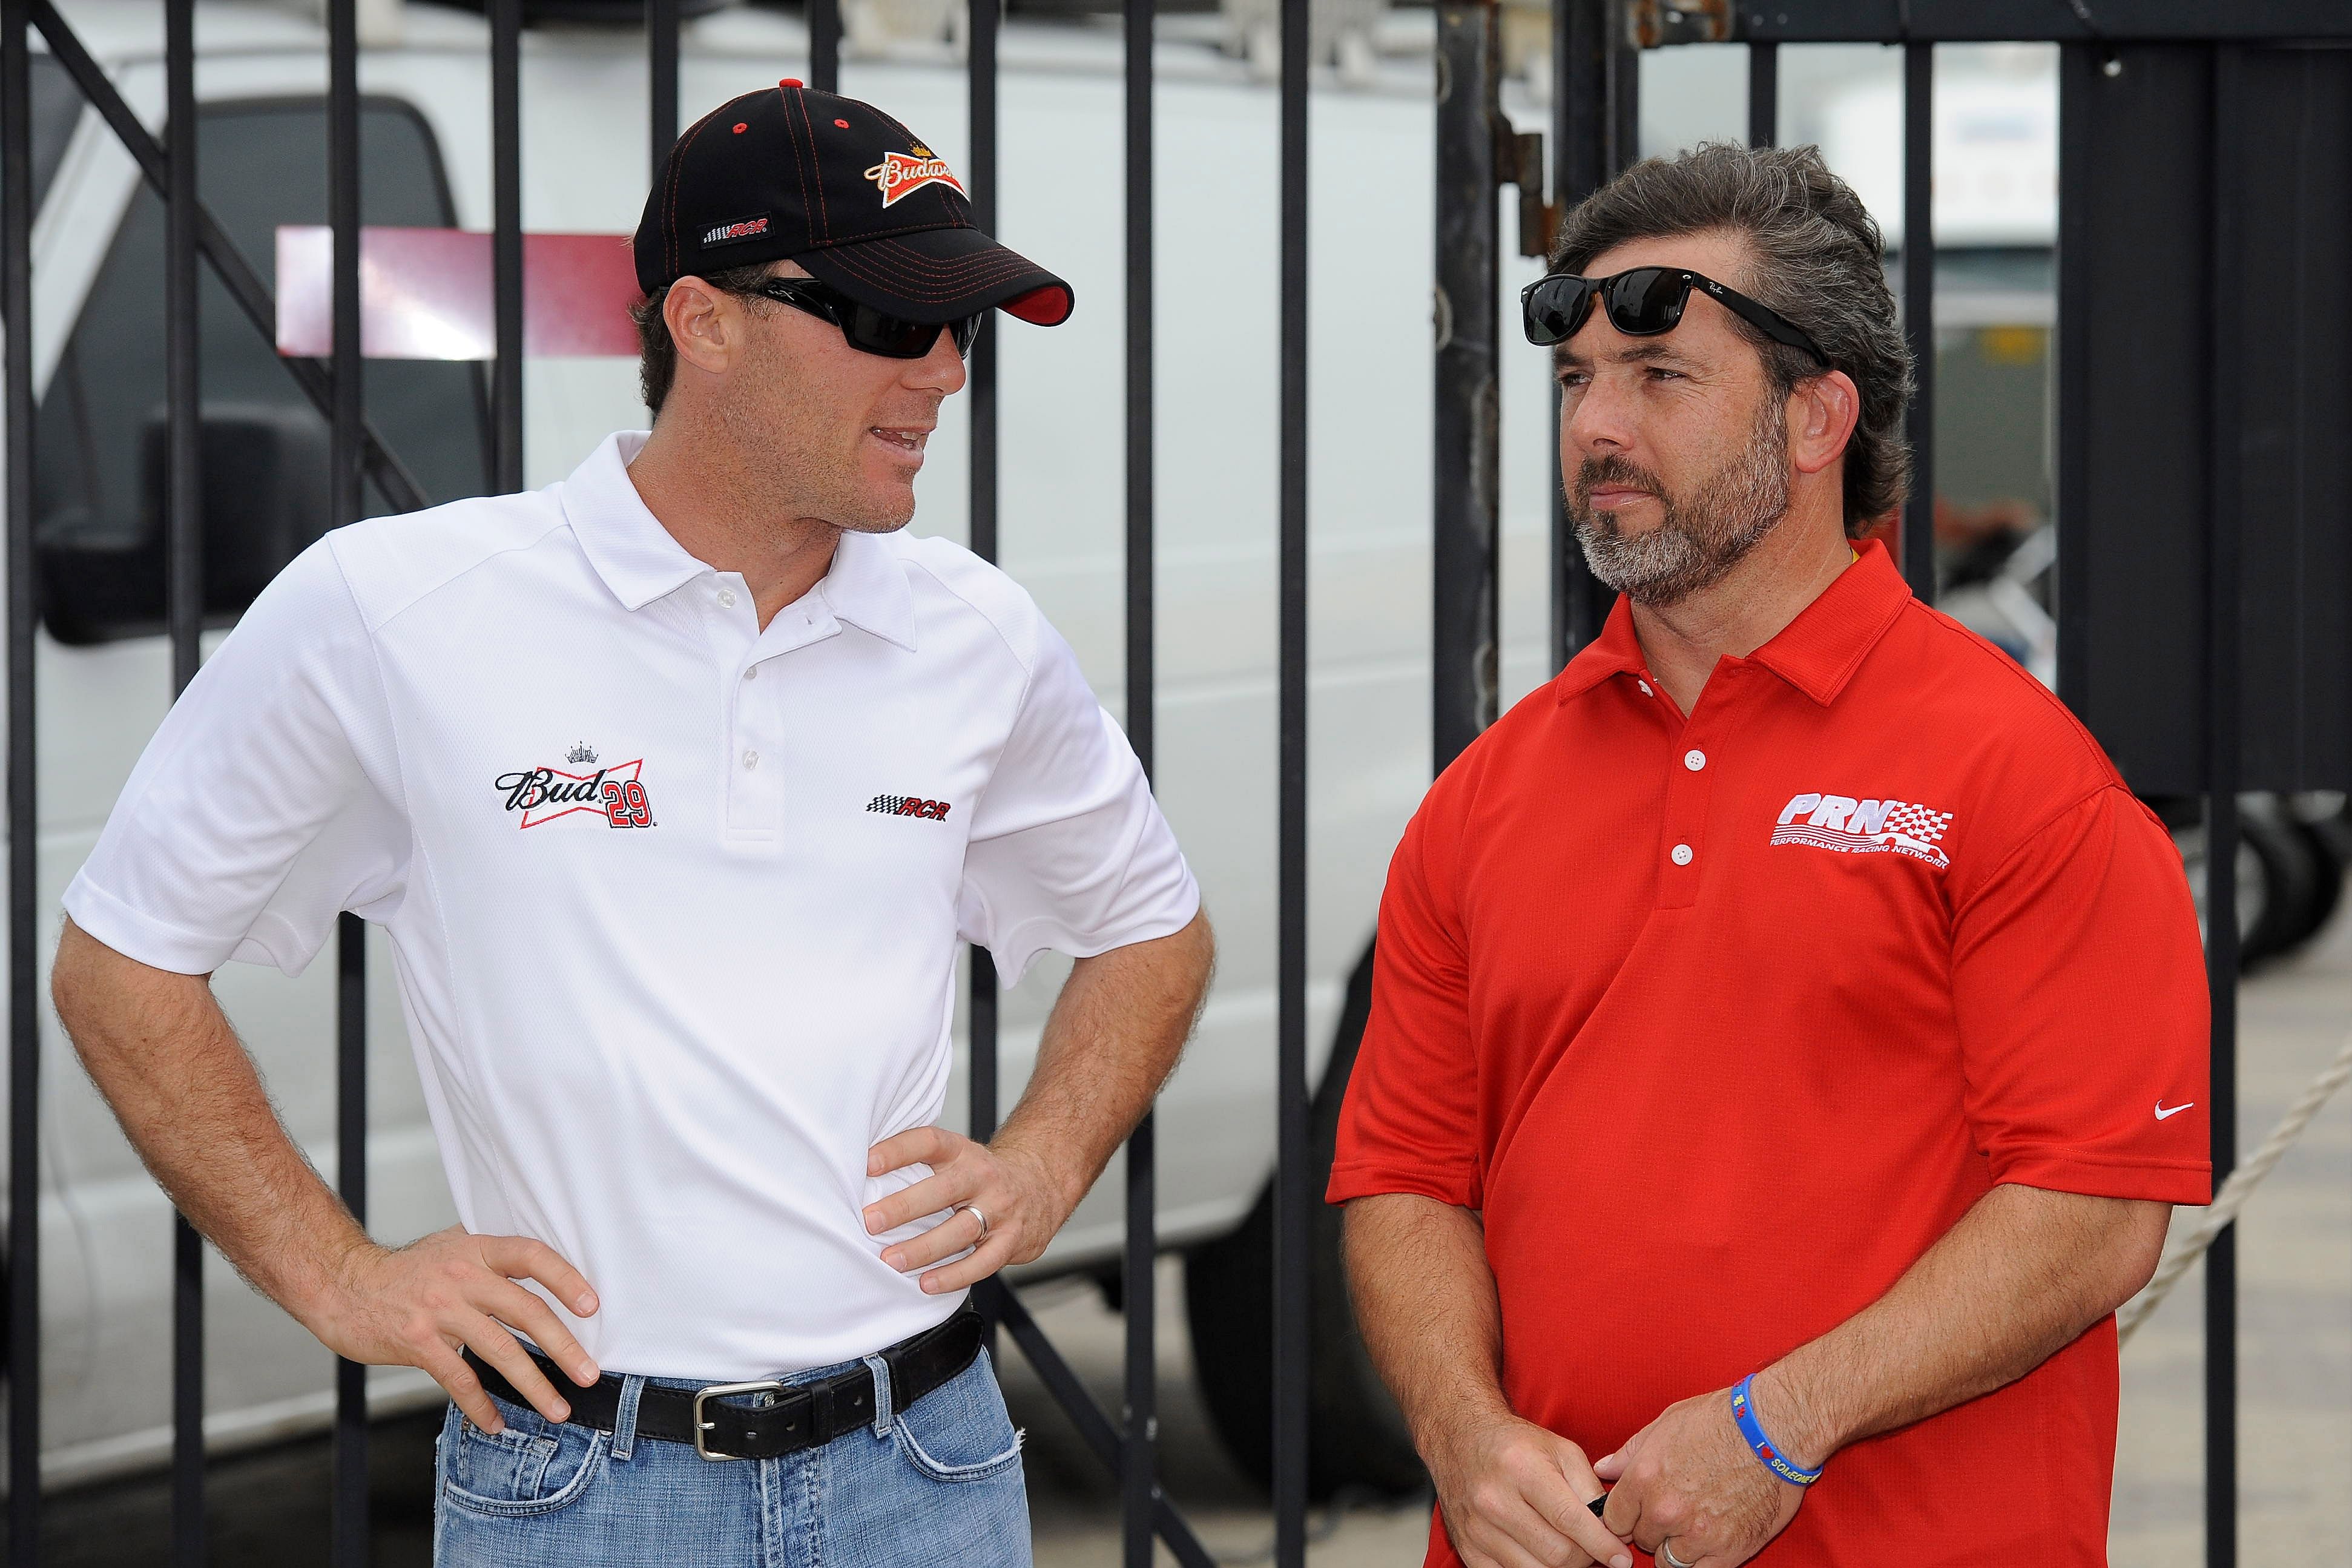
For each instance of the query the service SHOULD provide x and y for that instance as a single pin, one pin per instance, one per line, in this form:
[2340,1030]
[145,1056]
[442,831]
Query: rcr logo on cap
[898,175]
[741,228]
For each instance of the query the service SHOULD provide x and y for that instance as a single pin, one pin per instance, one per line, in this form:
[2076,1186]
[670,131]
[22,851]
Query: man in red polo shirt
[1787,1034]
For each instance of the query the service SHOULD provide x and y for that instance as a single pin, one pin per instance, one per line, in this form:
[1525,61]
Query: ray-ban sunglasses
[875,332]
[1642,302]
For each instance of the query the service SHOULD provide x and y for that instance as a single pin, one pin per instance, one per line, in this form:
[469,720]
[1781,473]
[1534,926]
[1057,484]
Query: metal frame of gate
[1595,77]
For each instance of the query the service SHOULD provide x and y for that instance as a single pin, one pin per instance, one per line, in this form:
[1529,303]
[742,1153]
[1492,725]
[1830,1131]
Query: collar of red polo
[1817,653]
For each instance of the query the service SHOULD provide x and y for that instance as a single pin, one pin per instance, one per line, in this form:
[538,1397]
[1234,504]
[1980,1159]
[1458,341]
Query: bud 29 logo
[544,794]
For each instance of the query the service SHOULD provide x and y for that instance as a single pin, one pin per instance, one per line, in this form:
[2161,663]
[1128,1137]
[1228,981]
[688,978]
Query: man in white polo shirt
[676,786]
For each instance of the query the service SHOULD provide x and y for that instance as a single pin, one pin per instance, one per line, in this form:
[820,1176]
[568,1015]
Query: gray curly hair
[1815,256]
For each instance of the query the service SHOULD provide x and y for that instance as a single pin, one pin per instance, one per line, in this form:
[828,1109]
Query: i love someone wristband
[1743,1411]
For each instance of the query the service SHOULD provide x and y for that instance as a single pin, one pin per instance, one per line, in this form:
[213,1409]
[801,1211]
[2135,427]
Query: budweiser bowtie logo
[898,174]
[616,794]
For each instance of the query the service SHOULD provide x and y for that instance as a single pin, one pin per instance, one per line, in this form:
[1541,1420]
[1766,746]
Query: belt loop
[882,1413]
[624,1419]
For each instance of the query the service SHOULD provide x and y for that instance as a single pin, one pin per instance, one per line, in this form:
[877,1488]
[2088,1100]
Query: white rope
[2234,1194]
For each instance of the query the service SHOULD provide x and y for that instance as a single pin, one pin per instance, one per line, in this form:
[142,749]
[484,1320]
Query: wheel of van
[2292,908]
[2253,886]
[1356,1437]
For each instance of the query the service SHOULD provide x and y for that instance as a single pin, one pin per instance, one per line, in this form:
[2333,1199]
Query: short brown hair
[1815,257]
[656,354]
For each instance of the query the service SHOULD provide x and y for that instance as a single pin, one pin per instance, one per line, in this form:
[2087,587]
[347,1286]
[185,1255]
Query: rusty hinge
[1651,22]
[1519,161]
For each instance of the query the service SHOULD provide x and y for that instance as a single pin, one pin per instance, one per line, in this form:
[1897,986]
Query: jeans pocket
[960,1431]
[534,1467]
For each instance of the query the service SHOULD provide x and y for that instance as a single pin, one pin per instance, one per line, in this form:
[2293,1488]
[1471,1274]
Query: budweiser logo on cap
[899,174]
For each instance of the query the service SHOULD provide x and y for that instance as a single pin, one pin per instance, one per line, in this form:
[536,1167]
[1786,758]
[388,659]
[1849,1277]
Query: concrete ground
[2295,1357]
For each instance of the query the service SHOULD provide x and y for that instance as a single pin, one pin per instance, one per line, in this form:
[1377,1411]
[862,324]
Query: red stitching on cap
[843,123]
[677,172]
[817,159]
[740,127]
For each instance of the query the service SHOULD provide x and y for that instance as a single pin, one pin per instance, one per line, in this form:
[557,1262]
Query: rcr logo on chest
[1864,826]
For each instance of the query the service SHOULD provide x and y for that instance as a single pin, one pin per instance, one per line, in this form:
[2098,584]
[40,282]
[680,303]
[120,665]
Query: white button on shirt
[661,1006]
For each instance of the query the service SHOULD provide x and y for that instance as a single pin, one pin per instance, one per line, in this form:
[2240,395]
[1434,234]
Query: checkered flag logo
[1918,822]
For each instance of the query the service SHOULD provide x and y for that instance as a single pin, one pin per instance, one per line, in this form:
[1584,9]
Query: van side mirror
[265,500]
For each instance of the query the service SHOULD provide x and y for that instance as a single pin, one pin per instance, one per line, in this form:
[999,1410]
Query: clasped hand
[1512,1494]
[1689,1477]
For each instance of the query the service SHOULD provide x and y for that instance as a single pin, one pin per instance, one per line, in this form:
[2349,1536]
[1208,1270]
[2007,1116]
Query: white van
[104,671]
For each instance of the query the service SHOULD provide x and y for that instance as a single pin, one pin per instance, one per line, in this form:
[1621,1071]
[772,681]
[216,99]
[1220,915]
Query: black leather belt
[779,1419]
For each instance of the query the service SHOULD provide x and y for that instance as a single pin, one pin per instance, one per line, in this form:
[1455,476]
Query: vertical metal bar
[184,602]
[348,1514]
[824,44]
[1560,627]
[506,241]
[1763,95]
[661,82]
[2224,378]
[1138,1452]
[1580,121]
[1292,1153]
[1624,125]
[24,837]
[2078,80]
[1466,463]
[1919,312]
[980,79]
[351,1483]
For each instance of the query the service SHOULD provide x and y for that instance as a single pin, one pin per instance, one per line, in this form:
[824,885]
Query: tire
[2292,905]
[1356,1437]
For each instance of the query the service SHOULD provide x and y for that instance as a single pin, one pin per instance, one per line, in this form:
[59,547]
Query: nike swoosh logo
[2162,1110]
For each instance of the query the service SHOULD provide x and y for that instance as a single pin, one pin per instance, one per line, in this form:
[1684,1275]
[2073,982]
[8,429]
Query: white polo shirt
[675,900]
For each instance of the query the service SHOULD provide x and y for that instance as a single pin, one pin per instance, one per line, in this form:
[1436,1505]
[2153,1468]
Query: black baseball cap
[843,189]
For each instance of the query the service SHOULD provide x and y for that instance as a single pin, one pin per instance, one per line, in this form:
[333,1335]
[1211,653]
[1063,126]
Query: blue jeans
[937,1483]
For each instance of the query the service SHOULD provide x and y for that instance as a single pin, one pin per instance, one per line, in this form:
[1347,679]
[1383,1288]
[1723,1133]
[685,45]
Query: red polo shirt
[1723,1020]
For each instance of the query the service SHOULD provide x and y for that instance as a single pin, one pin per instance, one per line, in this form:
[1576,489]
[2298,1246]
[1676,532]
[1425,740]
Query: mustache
[1614,469]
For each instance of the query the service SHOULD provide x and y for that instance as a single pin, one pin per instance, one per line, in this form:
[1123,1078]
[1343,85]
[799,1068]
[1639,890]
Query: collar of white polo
[640,561]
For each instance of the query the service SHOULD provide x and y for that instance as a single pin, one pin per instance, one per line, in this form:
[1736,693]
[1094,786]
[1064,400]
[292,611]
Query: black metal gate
[2210,53]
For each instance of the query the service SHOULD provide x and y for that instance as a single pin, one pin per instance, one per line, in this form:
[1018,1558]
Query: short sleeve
[1068,850]
[264,805]
[1409,1121]
[2078,983]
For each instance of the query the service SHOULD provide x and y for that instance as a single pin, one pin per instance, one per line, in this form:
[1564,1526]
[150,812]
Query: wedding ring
[983,1237]
[1666,1555]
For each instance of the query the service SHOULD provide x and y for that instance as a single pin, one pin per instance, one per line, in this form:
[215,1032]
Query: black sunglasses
[1642,302]
[875,332]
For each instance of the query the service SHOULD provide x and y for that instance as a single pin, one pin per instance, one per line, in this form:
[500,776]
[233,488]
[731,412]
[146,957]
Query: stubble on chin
[1697,540]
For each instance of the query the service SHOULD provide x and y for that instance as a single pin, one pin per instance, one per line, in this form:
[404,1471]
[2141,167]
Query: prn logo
[1864,826]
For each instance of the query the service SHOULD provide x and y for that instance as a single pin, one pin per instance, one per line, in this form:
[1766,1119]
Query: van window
[99,435]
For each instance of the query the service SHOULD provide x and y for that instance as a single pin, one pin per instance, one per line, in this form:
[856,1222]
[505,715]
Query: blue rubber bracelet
[1743,1410]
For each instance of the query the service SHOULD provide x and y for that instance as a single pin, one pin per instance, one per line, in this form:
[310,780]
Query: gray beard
[1699,539]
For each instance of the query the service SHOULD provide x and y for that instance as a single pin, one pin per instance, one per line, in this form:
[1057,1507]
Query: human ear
[698,324]
[1822,411]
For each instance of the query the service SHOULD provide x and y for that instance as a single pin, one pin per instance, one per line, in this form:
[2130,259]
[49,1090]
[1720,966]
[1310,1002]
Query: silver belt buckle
[701,1443]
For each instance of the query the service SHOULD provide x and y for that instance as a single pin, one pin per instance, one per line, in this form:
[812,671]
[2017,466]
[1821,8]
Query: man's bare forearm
[1425,1297]
[2024,1273]
[1111,1042]
[165,1057]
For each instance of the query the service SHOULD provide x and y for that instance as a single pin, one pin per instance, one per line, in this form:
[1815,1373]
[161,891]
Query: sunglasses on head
[875,332]
[1642,302]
